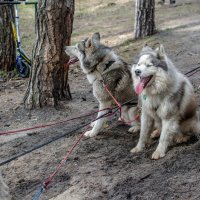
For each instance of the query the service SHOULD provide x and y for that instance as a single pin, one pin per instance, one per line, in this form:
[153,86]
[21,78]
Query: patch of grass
[6,75]
[111,4]
[139,42]
[127,42]
[27,27]
[175,28]
[3,74]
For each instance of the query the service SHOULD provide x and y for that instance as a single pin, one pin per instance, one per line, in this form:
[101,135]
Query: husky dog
[103,67]
[4,190]
[168,100]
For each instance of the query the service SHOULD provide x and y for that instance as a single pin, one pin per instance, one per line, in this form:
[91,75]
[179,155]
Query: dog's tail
[192,126]
[196,126]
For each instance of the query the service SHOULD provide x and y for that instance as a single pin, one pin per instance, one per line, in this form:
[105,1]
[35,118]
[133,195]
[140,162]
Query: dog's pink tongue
[72,61]
[142,84]
[139,87]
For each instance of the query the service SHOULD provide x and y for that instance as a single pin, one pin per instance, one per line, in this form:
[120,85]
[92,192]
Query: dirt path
[102,167]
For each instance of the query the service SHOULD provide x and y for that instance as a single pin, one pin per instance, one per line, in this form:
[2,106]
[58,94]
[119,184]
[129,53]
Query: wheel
[23,68]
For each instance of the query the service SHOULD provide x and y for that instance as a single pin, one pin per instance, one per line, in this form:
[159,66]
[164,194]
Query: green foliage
[3,74]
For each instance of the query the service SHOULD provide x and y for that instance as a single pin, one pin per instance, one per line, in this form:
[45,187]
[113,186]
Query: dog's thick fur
[102,65]
[168,100]
[4,190]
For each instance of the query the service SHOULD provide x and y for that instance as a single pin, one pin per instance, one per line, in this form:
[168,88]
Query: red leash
[115,100]
[50,178]
[120,107]
[50,124]
[46,183]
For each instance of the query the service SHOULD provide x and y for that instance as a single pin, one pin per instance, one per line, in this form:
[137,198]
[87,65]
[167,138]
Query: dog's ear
[96,36]
[160,52]
[146,50]
[146,47]
[94,41]
[86,39]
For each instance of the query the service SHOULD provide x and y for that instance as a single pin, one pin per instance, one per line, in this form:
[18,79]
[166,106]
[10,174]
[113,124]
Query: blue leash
[38,193]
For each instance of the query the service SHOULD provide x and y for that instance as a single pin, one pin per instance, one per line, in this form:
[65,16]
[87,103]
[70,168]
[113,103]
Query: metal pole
[17,25]
[10,2]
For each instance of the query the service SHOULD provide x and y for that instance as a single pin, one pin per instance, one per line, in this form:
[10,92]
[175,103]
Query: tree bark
[144,18]
[49,75]
[7,41]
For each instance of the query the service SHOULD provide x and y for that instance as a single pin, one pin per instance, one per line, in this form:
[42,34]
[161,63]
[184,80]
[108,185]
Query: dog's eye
[149,65]
[81,46]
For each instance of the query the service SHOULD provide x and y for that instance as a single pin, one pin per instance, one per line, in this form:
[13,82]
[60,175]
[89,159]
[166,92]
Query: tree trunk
[144,18]
[49,74]
[7,41]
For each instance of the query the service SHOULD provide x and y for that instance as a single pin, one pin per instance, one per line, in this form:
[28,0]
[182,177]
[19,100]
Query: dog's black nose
[137,72]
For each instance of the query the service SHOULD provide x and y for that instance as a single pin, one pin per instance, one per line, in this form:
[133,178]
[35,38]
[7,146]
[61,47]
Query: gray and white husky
[168,100]
[102,66]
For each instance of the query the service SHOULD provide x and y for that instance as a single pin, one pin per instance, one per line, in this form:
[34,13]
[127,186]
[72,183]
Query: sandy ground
[102,167]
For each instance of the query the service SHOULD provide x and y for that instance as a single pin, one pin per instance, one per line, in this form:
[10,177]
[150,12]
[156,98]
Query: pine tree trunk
[144,18]
[49,74]
[7,41]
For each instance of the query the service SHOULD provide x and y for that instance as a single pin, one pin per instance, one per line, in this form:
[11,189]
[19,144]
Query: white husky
[168,100]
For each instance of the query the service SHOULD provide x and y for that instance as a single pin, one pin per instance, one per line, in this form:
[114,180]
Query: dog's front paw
[119,119]
[155,134]
[182,138]
[136,150]
[157,155]
[134,129]
[90,134]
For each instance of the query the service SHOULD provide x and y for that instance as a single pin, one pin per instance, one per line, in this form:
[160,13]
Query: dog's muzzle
[137,72]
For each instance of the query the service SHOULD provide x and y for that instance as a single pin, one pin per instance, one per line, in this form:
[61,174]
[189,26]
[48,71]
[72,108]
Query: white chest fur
[152,105]
[93,76]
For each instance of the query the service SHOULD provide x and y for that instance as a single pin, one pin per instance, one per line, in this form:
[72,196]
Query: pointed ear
[85,40]
[88,43]
[96,36]
[145,45]
[94,41]
[160,52]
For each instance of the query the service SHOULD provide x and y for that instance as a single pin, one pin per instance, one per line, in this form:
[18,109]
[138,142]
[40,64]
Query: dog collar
[109,63]
[144,96]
